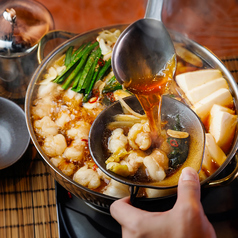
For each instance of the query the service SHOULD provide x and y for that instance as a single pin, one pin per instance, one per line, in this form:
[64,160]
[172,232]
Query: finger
[189,186]
[122,211]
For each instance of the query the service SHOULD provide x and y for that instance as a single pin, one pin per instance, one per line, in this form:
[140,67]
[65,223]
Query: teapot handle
[50,36]
[226,180]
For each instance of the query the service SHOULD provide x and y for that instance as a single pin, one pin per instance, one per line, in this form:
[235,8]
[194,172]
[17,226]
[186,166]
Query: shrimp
[43,107]
[87,177]
[155,171]
[51,88]
[75,152]
[133,161]
[63,118]
[139,136]
[45,127]
[80,131]
[54,145]
[116,189]
[72,99]
[160,158]
[67,168]
[117,140]
[62,164]
[103,176]
[56,160]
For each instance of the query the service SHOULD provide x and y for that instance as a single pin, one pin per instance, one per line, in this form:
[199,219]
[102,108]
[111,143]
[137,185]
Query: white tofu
[208,163]
[216,108]
[204,90]
[213,153]
[222,127]
[203,174]
[190,80]
[221,97]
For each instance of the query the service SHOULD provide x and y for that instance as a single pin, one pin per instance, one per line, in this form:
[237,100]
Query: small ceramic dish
[14,136]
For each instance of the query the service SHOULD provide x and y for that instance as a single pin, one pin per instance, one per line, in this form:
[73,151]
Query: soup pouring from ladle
[144,61]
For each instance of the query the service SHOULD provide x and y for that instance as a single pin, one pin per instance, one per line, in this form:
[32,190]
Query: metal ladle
[144,48]
[170,109]
[143,60]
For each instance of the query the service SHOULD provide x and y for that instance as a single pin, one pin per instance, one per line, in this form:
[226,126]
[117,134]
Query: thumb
[189,186]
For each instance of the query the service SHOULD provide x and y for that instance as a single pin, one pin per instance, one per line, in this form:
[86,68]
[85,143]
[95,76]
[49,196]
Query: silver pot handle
[50,36]
[226,180]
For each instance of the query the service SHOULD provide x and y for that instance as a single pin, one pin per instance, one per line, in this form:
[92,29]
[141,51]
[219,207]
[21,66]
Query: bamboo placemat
[27,193]
[231,63]
[27,199]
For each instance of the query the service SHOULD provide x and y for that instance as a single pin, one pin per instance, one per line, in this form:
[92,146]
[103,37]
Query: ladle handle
[154,9]
[134,191]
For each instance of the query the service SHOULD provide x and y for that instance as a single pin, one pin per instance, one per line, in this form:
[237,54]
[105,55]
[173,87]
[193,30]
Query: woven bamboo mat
[27,193]
[231,63]
[27,199]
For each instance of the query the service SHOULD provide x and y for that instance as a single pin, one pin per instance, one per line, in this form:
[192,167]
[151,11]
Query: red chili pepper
[85,140]
[101,62]
[70,195]
[95,167]
[173,143]
[111,97]
[93,99]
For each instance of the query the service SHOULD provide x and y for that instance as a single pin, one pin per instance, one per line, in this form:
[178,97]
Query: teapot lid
[22,25]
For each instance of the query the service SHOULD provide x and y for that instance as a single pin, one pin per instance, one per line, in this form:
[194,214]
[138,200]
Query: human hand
[185,219]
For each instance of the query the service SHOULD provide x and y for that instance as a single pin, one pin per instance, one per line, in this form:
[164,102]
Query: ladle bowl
[144,48]
[171,108]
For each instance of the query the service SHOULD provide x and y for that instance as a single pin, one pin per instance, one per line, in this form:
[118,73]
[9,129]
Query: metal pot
[22,25]
[103,201]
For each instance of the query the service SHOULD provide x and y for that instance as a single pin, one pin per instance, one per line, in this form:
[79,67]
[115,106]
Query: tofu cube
[213,156]
[222,126]
[221,97]
[190,80]
[217,108]
[208,164]
[204,90]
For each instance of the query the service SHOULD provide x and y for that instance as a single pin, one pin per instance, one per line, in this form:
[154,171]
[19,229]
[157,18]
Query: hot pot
[99,200]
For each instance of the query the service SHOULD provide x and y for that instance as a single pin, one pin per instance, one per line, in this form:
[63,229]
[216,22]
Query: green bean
[65,76]
[73,62]
[76,80]
[87,67]
[79,66]
[104,69]
[68,56]
[92,70]
[88,78]
[78,51]
[111,85]
[89,89]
